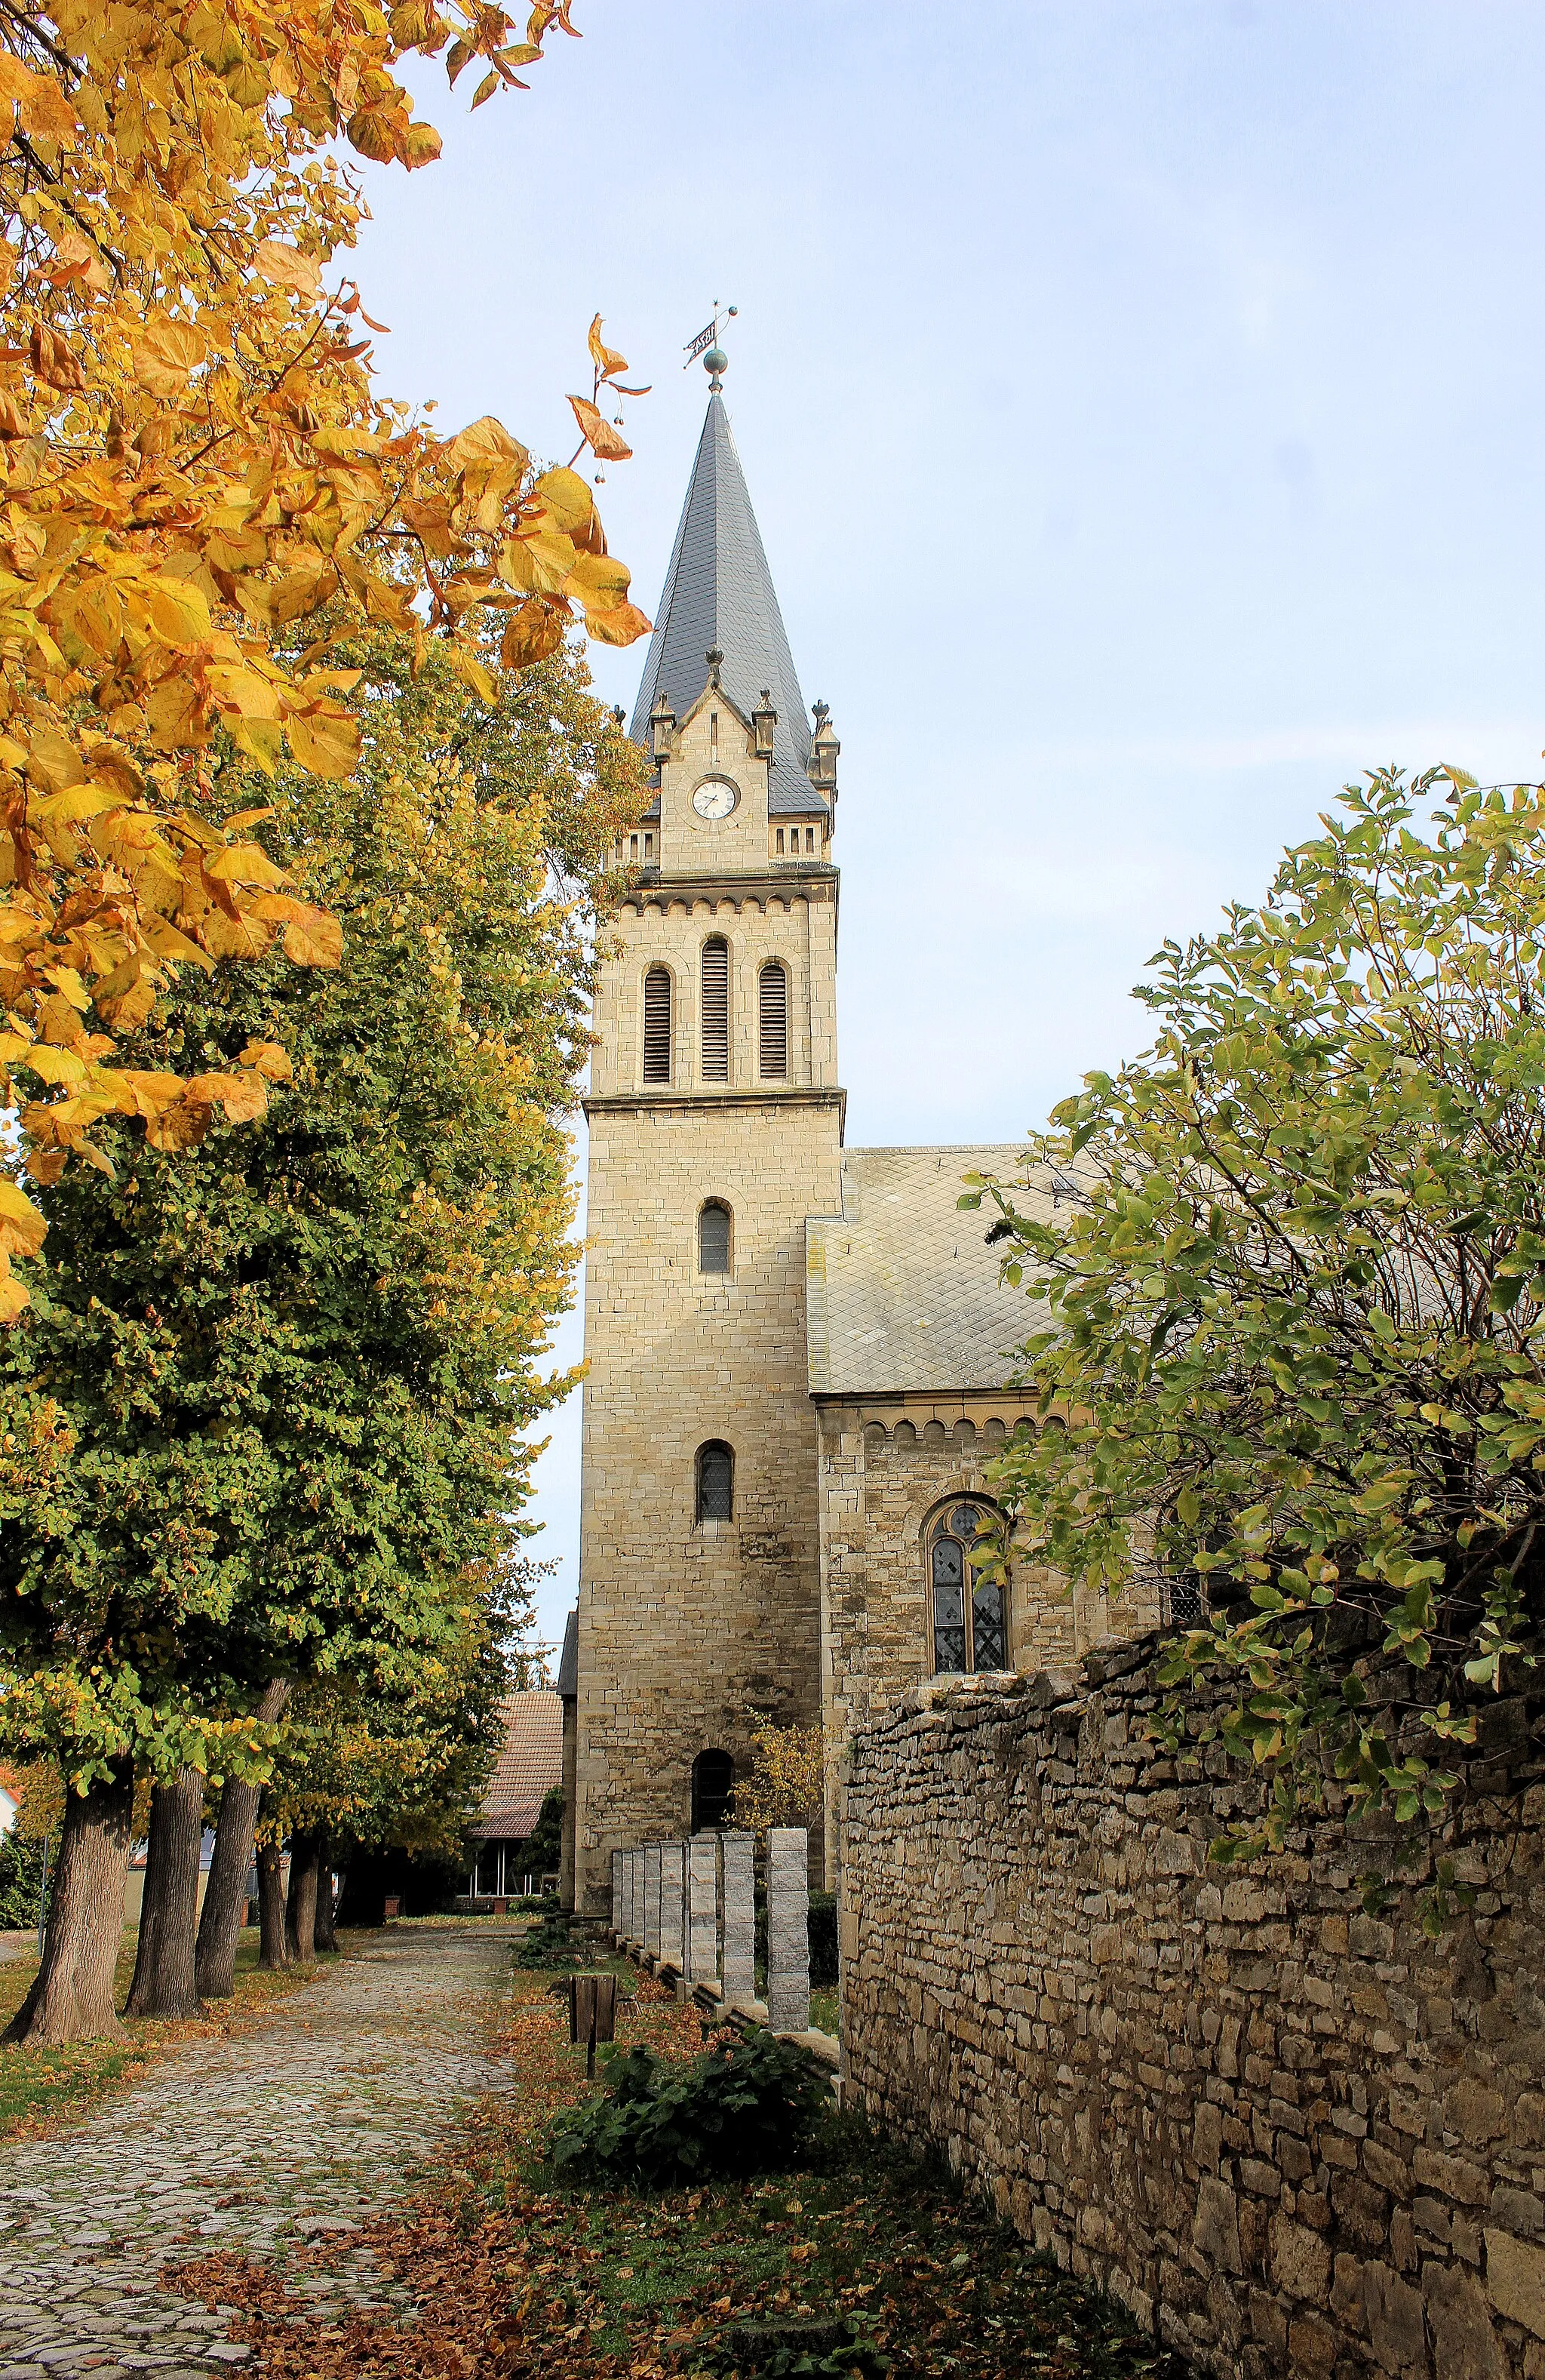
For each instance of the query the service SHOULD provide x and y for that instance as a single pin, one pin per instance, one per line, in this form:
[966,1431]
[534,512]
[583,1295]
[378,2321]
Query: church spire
[719,597]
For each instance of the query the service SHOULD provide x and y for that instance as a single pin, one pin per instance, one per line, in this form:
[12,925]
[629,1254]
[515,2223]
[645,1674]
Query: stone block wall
[1290,2136]
[887,1464]
[686,1628]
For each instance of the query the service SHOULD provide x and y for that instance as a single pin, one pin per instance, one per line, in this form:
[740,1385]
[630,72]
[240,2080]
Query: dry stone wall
[1290,2136]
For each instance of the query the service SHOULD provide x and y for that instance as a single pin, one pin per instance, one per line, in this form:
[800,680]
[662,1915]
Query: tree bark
[272,1951]
[300,1916]
[71,1997]
[225,1893]
[164,1985]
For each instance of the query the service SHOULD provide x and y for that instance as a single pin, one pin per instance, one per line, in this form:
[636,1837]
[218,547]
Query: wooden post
[592,2014]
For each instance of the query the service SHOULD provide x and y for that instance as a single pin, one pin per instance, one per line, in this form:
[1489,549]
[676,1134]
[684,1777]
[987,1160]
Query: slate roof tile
[718,591]
[903,1291]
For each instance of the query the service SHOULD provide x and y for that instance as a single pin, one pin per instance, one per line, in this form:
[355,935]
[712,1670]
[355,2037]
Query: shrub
[744,2107]
[20,1881]
[551,1944]
[823,1940]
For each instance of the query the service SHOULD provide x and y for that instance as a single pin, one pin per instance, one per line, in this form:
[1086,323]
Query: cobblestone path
[322,2114]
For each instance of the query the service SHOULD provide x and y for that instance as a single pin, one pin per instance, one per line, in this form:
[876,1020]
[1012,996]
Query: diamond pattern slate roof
[903,1291]
[530,1763]
[719,590]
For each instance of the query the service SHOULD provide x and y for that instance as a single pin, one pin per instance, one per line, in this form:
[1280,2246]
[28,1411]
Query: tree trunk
[164,1985]
[300,1917]
[225,1893]
[272,1951]
[71,1999]
[326,1931]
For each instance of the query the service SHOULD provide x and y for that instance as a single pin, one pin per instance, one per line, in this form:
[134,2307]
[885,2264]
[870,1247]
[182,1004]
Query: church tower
[716,1128]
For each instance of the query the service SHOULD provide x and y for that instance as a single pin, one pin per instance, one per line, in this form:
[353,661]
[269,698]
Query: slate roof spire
[718,593]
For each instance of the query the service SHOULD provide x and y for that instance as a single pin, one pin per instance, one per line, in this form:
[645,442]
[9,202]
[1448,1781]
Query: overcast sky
[1140,404]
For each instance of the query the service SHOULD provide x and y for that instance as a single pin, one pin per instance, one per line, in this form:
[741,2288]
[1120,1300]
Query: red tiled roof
[530,1763]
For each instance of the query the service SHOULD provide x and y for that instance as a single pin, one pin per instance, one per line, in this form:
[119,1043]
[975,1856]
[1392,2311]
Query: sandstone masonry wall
[1290,2136]
[687,1627]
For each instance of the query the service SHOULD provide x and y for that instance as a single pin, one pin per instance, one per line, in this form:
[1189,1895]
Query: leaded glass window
[716,1482]
[967,1611]
[712,1238]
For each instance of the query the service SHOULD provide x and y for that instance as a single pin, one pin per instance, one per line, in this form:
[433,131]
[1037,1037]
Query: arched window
[713,1789]
[774,1021]
[712,1238]
[715,1010]
[716,1482]
[970,1624]
[656,1026]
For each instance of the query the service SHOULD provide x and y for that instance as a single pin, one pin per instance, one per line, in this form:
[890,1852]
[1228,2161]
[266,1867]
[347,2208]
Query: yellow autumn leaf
[267,1059]
[286,268]
[327,742]
[623,626]
[605,360]
[534,632]
[242,1097]
[39,102]
[567,497]
[244,863]
[166,355]
[538,564]
[177,612]
[603,441]
[22,1229]
[52,1065]
[317,942]
[598,582]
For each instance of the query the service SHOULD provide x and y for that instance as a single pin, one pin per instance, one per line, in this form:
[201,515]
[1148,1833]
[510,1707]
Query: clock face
[715,798]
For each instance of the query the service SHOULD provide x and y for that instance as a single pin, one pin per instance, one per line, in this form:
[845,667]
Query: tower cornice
[806,881]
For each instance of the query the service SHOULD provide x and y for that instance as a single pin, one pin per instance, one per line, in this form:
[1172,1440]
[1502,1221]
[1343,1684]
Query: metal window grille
[715,1010]
[656,1026]
[713,1239]
[715,1483]
[775,1020]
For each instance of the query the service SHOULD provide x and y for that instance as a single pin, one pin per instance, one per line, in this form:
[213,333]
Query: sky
[1141,407]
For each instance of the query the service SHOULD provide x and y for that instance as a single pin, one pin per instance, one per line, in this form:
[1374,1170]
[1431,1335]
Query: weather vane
[715,360]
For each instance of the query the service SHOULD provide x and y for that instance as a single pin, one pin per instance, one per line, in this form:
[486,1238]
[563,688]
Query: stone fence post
[635,1895]
[617,1860]
[672,1906]
[737,1922]
[701,1910]
[788,1929]
[652,1898]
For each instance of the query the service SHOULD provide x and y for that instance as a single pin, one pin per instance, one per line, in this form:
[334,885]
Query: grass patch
[43,2090]
[503,2262]
[823,2009]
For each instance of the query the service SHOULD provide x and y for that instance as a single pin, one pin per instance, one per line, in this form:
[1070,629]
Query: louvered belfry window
[656,1026]
[715,1010]
[774,1022]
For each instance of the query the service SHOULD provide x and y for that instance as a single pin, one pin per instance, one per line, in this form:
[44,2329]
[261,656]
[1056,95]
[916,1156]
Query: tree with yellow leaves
[195,466]
[787,1781]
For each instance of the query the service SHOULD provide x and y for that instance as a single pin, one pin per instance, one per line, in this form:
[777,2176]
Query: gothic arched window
[656,1026]
[966,1611]
[715,1481]
[773,987]
[713,1237]
[713,1788]
[715,1010]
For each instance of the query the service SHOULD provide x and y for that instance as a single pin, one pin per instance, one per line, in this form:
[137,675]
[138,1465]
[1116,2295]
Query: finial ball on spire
[715,361]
